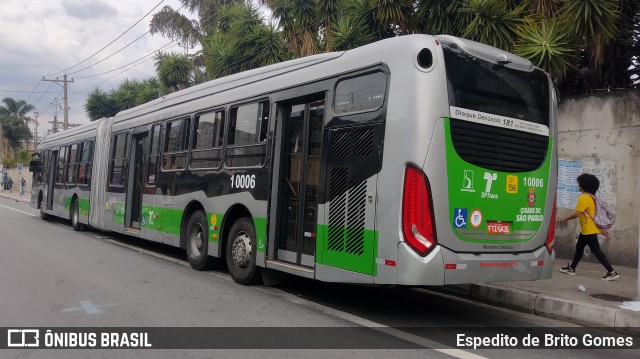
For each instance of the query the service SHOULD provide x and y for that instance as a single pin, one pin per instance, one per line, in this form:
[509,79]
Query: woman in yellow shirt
[585,211]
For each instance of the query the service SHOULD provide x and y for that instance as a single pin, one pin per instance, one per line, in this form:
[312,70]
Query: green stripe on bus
[260,224]
[478,195]
[361,258]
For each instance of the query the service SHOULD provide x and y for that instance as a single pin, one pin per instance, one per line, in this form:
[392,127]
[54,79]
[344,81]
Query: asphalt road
[51,276]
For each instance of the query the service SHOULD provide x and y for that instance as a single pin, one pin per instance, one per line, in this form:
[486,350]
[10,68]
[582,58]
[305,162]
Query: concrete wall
[13,173]
[605,127]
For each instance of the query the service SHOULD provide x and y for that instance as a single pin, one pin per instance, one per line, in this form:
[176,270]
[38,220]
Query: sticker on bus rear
[511,123]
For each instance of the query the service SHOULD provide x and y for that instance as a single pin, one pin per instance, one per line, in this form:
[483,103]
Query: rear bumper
[443,267]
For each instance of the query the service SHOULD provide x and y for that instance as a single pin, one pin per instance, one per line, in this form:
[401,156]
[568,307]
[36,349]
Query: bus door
[297,214]
[51,179]
[136,182]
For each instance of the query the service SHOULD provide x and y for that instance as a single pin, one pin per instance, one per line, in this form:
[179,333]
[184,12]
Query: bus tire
[197,241]
[75,217]
[43,215]
[241,252]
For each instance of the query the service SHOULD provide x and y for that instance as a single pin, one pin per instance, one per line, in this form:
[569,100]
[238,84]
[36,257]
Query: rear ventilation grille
[498,149]
[346,213]
[352,143]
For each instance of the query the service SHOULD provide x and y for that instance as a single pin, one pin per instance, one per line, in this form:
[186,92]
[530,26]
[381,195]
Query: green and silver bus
[417,160]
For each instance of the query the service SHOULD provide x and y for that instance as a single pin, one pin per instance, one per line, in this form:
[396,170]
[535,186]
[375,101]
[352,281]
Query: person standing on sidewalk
[585,211]
[23,184]
[10,185]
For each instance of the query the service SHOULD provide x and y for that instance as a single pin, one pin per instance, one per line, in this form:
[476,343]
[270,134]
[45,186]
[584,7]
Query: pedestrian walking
[23,184]
[10,185]
[585,211]
[2,181]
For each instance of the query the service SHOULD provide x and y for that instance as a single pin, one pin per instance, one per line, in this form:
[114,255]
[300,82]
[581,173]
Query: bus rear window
[480,85]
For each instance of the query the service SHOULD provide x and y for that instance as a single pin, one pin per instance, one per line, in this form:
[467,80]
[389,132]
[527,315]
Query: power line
[129,69]
[45,92]
[114,40]
[238,64]
[32,91]
[122,48]
[132,62]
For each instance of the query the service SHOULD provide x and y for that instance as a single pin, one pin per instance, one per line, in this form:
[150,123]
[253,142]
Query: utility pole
[66,106]
[55,115]
[35,139]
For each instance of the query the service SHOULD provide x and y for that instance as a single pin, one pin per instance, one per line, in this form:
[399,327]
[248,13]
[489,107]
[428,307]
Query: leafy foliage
[100,104]
[547,44]
[174,71]
[243,42]
[14,121]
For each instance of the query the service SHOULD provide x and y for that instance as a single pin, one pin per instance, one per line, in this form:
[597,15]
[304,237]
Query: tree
[100,104]
[584,44]
[174,71]
[14,121]
[172,24]
[242,41]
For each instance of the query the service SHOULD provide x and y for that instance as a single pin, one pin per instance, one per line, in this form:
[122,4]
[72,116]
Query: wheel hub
[241,250]
[197,240]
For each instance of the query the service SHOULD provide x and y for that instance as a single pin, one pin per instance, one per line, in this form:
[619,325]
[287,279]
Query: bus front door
[135,185]
[300,181]
[53,162]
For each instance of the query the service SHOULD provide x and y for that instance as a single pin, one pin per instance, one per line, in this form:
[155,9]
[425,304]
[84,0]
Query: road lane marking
[88,307]
[430,344]
[427,343]
[17,210]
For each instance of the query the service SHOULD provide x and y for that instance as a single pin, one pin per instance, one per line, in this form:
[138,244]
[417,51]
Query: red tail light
[417,215]
[551,235]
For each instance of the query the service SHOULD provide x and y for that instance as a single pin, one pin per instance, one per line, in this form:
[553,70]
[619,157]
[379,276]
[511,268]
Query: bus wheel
[41,205]
[198,241]
[75,217]
[241,252]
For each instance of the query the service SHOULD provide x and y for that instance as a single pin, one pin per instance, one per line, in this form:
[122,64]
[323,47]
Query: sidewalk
[16,195]
[560,298]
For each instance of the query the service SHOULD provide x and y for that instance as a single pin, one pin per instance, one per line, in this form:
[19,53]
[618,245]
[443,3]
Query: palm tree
[172,24]
[394,15]
[242,42]
[100,104]
[492,22]
[174,71]
[17,109]
[14,120]
[548,44]
[441,17]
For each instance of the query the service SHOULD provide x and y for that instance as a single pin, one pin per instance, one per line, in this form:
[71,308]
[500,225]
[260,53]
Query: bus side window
[84,167]
[60,167]
[176,140]
[247,134]
[207,140]
[72,167]
[118,159]
[359,94]
[154,154]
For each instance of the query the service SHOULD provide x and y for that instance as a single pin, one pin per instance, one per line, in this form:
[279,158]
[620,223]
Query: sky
[44,37]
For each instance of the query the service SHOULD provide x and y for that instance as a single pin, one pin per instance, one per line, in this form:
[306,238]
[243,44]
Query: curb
[590,315]
[17,199]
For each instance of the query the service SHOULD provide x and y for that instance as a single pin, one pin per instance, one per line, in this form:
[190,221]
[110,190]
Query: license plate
[497,227]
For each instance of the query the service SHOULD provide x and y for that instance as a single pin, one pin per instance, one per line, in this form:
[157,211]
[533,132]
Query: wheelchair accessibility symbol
[460,218]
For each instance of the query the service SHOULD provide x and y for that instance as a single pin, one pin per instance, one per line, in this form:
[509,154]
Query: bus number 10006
[243,181]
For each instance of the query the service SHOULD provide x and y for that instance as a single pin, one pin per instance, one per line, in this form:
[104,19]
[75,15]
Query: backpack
[605,216]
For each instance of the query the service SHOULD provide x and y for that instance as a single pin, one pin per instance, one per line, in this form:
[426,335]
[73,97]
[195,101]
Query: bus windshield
[480,85]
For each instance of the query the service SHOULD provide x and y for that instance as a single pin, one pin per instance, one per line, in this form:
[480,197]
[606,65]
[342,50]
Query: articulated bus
[416,160]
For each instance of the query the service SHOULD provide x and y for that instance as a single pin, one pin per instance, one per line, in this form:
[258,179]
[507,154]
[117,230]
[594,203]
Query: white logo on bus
[467,181]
